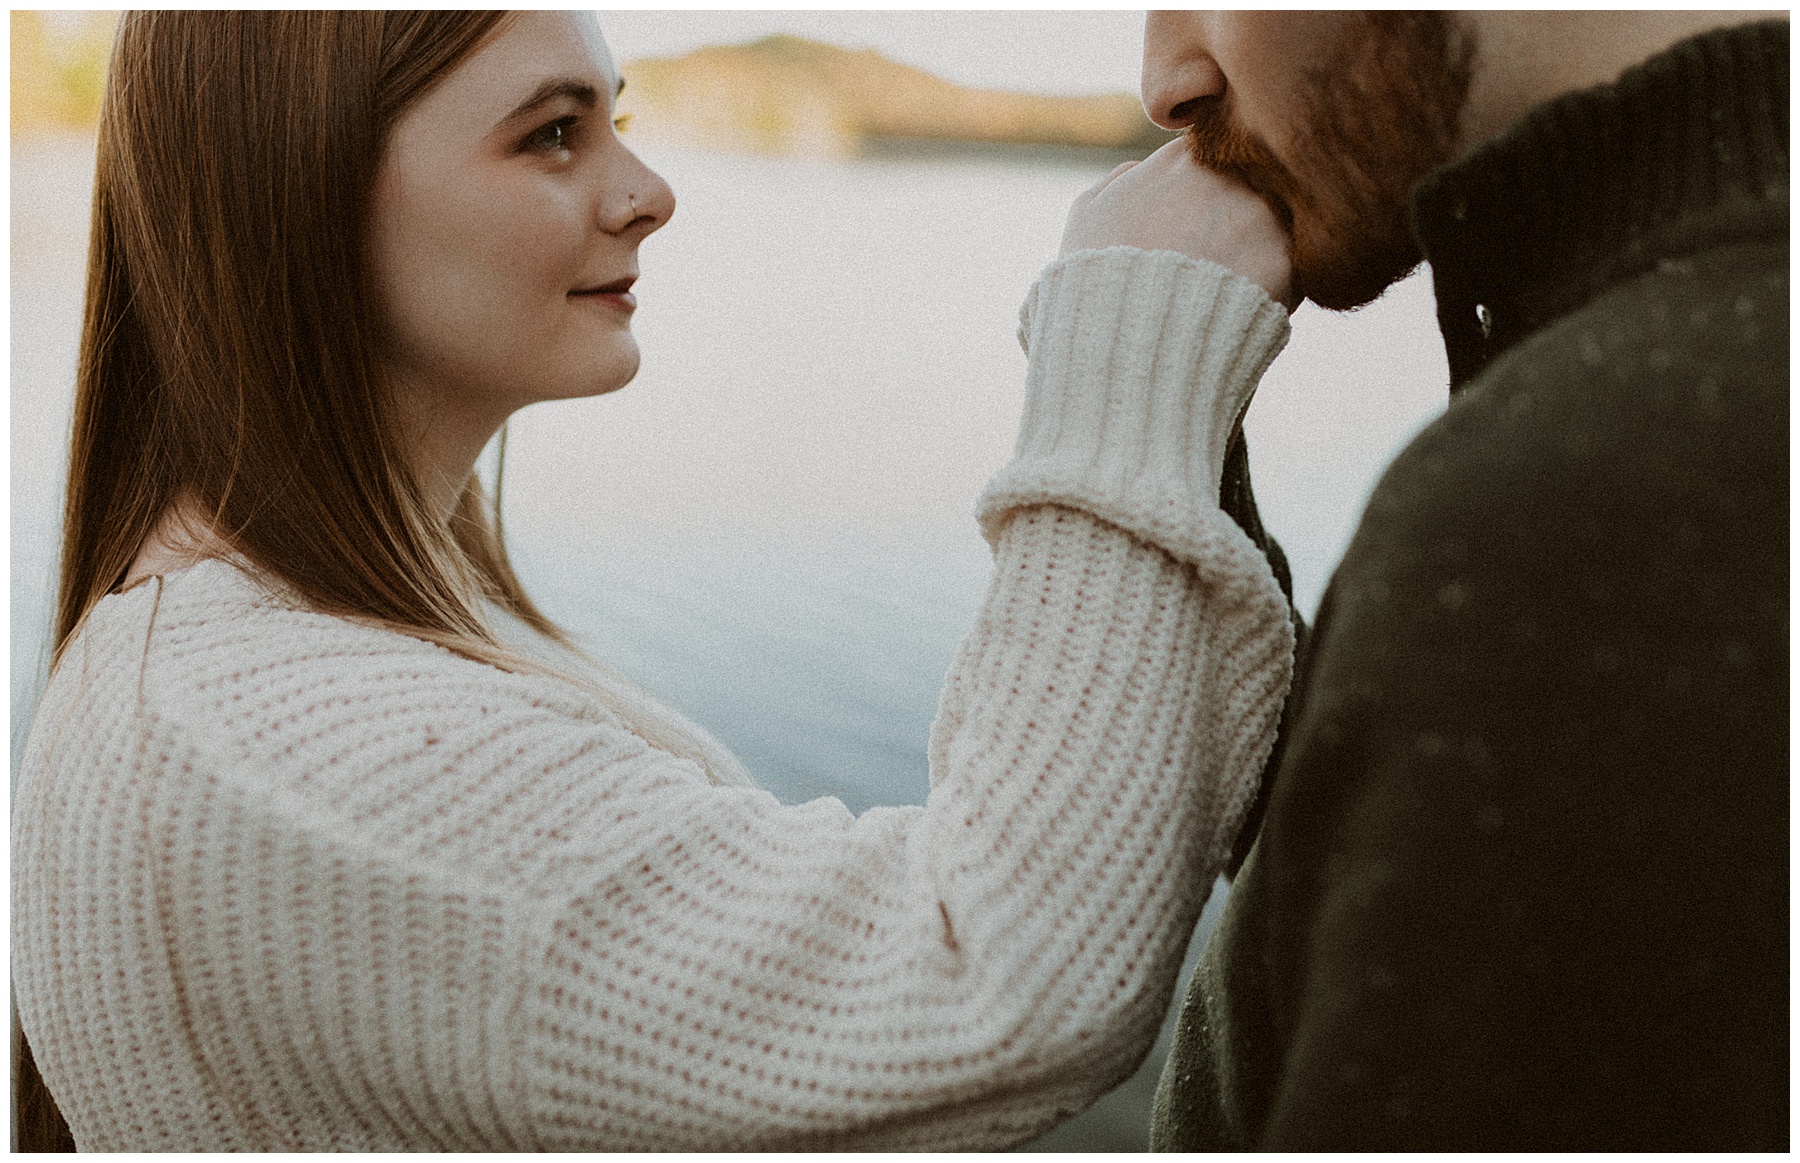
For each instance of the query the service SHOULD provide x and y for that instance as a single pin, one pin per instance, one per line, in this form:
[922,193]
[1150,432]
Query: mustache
[1217,142]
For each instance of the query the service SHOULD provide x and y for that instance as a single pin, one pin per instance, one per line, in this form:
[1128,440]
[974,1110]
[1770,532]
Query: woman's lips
[618,300]
[616,295]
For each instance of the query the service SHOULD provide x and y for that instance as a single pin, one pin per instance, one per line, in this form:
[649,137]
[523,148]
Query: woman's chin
[613,374]
[619,376]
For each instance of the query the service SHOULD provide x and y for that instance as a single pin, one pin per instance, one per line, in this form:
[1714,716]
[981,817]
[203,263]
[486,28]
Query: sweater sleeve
[326,885]
[964,975]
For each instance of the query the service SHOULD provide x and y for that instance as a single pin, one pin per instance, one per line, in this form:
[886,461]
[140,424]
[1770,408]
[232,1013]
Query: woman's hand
[1168,202]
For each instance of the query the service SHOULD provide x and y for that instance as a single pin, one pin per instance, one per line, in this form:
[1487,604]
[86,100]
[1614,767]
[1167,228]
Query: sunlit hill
[789,95]
[59,68]
[781,95]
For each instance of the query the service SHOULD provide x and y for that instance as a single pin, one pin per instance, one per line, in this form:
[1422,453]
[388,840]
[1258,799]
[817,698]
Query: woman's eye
[553,137]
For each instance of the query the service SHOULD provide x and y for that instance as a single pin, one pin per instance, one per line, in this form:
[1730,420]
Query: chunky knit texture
[285,881]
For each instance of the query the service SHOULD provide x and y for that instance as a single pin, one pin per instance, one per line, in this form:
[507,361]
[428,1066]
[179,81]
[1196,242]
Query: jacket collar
[1685,152]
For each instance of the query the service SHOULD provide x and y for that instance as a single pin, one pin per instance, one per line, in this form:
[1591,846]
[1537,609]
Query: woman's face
[504,231]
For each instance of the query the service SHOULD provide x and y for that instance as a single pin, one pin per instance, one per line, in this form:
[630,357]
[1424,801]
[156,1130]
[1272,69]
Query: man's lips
[616,294]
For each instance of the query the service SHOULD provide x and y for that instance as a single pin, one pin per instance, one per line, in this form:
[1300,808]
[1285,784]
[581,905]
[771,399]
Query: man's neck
[1523,59]
[1685,152]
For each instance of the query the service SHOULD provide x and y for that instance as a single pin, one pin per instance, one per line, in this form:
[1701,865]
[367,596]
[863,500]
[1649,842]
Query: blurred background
[772,526]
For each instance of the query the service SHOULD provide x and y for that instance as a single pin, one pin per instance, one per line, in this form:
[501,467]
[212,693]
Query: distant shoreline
[778,96]
[785,95]
[1011,152]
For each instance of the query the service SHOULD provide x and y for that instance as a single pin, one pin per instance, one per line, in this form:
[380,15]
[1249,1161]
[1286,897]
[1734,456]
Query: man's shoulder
[1666,393]
[1542,720]
[1626,464]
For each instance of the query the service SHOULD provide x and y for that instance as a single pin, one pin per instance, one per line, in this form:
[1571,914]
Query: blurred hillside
[788,95]
[58,68]
[780,95]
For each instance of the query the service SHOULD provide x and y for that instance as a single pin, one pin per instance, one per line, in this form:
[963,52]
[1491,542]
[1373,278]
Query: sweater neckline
[1687,151]
[198,567]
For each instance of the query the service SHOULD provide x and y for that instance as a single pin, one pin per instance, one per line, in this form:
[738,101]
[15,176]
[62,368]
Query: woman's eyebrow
[580,91]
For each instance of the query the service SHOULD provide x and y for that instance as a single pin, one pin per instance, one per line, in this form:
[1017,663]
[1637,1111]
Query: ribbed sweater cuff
[1140,365]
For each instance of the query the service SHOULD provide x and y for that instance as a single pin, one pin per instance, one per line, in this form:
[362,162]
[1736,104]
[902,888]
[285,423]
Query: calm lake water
[771,527]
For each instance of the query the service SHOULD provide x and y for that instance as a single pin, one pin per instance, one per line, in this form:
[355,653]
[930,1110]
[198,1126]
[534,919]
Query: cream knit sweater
[284,881]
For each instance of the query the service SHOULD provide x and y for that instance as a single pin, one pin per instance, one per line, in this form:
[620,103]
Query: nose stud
[631,200]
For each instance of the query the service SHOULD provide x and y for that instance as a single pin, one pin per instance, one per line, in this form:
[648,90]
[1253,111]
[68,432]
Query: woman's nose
[640,201]
[1179,70]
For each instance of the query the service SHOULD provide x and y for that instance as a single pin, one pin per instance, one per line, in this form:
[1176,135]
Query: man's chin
[1345,281]
[1349,295]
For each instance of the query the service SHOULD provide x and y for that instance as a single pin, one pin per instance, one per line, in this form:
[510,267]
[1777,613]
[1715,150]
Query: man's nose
[1179,71]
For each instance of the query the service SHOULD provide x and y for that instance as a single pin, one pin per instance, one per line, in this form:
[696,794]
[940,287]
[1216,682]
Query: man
[1522,877]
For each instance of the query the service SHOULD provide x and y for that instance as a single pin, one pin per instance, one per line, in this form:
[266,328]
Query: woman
[324,837]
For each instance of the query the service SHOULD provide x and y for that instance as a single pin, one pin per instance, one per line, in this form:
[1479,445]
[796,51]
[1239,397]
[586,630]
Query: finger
[1104,182]
[1170,153]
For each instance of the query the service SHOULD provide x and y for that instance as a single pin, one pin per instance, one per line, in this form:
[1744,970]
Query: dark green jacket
[1522,881]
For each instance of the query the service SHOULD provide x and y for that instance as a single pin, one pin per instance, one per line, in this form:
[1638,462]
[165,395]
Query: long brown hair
[228,350]
[228,358]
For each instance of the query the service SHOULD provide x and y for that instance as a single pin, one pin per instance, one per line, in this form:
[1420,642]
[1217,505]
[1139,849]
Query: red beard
[1379,117]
